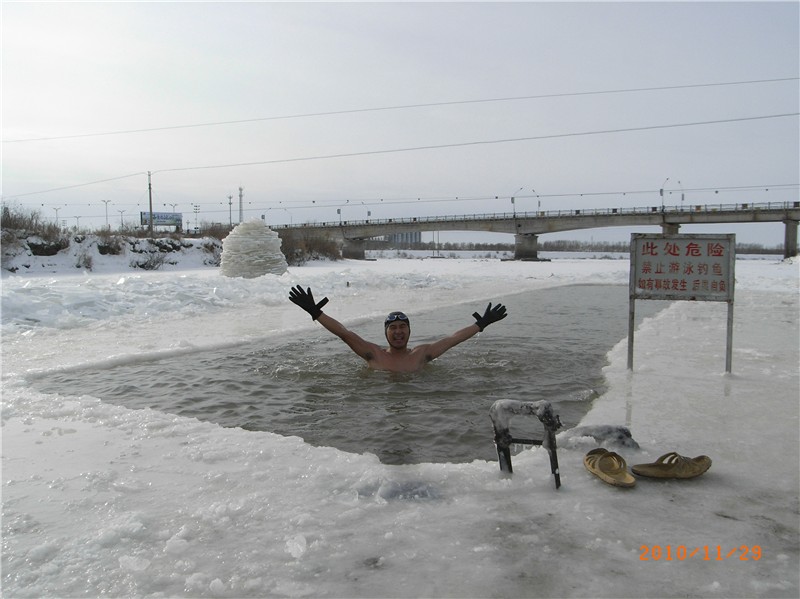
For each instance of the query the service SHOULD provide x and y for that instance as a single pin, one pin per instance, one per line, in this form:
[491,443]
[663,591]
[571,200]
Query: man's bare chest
[409,361]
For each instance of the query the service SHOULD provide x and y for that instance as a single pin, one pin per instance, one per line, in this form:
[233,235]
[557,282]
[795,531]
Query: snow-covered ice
[100,500]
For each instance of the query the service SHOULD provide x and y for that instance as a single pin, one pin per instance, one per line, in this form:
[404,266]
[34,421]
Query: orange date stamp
[707,553]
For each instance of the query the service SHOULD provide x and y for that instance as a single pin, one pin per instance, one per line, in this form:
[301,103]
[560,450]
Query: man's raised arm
[305,299]
[437,348]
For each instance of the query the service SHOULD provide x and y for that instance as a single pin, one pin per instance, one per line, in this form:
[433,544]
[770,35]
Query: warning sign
[683,267]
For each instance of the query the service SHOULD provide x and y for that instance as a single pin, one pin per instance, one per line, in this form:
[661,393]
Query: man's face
[397,334]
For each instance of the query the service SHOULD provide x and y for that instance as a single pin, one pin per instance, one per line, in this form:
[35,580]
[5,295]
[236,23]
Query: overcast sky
[393,78]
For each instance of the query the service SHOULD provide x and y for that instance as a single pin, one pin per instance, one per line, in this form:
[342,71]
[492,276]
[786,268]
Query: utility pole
[230,211]
[241,195]
[150,194]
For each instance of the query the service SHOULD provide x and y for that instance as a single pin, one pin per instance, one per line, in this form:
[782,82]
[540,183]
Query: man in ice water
[398,357]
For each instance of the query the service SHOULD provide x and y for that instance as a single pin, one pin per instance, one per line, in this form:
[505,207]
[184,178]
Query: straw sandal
[672,465]
[608,467]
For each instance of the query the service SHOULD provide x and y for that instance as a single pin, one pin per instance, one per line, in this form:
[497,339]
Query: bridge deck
[532,224]
[561,220]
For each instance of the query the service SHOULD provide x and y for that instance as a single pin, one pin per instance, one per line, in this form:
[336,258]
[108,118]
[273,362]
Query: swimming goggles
[394,316]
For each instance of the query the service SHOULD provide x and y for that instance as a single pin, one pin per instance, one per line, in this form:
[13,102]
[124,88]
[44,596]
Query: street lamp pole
[661,193]
[121,223]
[513,207]
[106,203]
[291,220]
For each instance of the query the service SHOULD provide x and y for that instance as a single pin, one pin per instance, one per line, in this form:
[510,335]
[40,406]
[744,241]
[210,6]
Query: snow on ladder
[501,412]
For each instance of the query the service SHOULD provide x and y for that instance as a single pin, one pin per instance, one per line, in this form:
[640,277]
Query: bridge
[528,226]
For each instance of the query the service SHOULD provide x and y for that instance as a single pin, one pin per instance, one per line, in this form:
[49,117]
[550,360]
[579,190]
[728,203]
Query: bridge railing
[576,212]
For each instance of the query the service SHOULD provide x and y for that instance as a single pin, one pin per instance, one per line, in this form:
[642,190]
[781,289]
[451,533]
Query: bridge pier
[526,246]
[670,228]
[790,239]
[354,249]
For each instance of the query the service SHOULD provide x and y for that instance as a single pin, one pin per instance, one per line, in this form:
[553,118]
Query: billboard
[167,219]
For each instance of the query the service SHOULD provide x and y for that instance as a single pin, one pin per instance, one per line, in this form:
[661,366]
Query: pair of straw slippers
[610,467]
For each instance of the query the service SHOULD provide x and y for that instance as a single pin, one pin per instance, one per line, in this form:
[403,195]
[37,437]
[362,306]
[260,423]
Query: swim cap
[393,316]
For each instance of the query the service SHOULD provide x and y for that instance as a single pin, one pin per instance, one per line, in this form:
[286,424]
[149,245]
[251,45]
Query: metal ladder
[501,412]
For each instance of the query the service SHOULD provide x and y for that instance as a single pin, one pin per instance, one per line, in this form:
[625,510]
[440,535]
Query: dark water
[552,347]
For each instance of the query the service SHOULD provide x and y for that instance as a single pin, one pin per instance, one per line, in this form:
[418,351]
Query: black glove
[305,299]
[491,315]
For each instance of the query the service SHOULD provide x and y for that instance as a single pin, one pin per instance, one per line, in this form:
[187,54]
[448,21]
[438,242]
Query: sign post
[682,267]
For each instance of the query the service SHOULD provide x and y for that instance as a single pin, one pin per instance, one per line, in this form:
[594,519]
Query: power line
[476,143]
[30,193]
[430,147]
[403,107]
[544,196]
[461,199]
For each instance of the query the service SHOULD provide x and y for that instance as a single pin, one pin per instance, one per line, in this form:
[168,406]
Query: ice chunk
[136,564]
[604,434]
[296,546]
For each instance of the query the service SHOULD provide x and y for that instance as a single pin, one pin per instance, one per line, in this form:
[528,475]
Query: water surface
[551,347]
